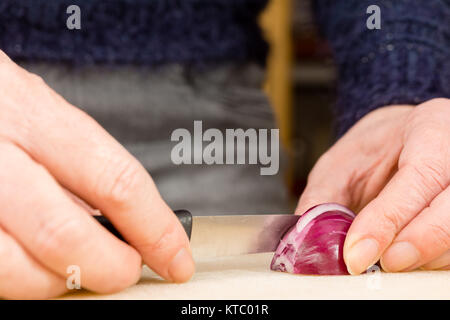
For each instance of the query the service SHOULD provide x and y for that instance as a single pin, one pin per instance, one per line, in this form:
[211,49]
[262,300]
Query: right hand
[48,146]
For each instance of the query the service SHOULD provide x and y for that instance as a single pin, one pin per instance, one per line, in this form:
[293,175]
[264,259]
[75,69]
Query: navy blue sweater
[147,32]
[405,62]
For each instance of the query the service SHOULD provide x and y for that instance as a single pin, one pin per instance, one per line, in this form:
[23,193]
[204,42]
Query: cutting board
[249,277]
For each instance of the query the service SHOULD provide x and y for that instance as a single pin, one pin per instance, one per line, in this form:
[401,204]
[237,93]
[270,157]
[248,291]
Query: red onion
[315,244]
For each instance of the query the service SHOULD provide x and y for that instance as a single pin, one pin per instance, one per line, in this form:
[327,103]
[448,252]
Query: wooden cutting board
[249,277]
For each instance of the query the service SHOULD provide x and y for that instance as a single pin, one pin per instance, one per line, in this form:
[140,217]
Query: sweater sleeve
[407,61]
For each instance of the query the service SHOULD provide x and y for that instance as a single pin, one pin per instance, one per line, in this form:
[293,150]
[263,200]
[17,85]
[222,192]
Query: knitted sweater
[405,62]
[149,32]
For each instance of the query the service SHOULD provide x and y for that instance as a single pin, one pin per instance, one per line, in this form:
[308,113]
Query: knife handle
[184,216]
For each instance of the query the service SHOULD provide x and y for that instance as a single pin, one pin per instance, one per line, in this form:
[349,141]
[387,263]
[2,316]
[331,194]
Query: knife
[214,236]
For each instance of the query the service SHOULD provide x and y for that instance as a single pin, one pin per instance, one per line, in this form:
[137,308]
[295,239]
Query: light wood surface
[249,277]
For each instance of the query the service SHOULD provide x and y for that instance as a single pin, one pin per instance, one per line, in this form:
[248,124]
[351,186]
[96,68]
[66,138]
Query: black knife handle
[184,216]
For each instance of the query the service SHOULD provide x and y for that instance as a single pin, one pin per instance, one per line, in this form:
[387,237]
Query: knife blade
[228,235]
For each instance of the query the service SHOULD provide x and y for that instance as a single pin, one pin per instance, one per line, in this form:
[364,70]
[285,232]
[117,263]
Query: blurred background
[301,85]
[112,69]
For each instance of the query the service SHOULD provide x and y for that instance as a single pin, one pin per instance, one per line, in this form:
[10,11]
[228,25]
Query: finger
[424,239]
[340,176]
[85,206]
[56,231]
[411,190]
[101,172]
[4,58]
[360,164]
[22,277]
[441,263]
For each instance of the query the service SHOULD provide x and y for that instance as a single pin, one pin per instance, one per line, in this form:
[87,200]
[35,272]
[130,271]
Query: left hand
[394,167]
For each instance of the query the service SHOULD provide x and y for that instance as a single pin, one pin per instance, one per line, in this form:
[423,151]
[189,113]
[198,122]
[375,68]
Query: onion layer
[315,244]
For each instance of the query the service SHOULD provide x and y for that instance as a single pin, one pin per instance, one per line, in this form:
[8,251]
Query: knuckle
[441,234]
[36,79]
[166,239]
[439,101]
[430,177]
[120,182]
[392,220]
[429,110]
[56,234]
[417,118]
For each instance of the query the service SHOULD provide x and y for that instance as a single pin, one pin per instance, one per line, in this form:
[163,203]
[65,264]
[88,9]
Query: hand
[394,167]
[46,146]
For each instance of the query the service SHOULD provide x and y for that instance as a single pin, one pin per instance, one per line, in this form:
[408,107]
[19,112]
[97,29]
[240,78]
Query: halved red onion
[315,244]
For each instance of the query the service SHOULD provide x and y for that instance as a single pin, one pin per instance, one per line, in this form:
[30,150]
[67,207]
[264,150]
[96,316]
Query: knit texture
[146,32]
[407,61]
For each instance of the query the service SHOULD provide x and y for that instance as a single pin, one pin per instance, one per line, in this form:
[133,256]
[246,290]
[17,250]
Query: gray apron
[142,106]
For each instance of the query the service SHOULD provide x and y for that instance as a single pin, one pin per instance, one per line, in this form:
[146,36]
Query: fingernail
[182,266]
[400,256]
[362,255]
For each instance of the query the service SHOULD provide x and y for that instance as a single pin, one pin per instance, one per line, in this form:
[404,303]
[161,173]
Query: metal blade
[214,236]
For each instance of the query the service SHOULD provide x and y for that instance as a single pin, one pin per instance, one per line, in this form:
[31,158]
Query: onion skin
[315,244]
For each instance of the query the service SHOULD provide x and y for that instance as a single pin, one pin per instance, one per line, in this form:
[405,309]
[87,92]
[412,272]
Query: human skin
[51,154]
[393,167]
